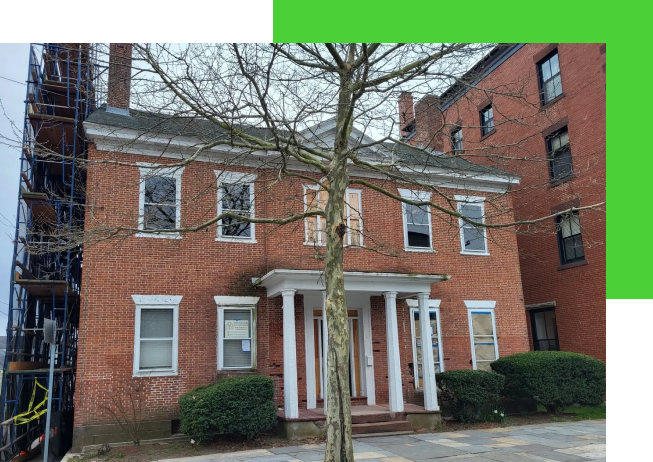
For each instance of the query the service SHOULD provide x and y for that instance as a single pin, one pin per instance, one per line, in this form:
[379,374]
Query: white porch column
[290,399]
[325,349]
[394,367]
[428,368]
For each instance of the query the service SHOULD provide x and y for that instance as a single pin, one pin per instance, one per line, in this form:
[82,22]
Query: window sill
[553,101]
[555,183]
[174,235]
[314,244]
[155,374]
[235,239]
[485,254]
[488,134]
[418,249]
[573,265]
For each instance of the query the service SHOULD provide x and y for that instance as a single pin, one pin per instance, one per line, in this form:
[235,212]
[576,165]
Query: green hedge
[555,379]
[470,395]
[233,406]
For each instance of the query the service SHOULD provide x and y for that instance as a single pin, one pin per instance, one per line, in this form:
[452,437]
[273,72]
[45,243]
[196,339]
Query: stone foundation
[425,420]
[111,433]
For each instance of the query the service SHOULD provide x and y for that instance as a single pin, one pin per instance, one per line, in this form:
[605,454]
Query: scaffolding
[63,87]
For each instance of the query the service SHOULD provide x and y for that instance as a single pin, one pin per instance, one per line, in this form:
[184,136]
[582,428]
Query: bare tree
[321,114]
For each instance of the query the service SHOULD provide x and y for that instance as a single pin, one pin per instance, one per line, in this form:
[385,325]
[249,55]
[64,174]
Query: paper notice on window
[236,328]
[246,345]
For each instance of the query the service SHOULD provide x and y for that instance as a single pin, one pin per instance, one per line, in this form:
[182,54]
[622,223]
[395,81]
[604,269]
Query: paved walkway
[564,441]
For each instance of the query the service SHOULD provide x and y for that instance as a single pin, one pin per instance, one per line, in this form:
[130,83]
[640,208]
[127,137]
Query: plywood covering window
[483,335]
[316,198]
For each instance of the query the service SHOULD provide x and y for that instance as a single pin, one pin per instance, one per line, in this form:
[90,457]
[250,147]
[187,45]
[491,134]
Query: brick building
[172,312]
[538,110]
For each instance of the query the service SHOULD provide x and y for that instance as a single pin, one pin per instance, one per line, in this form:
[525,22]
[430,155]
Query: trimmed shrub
[233,406]
[555,379]
[470,395]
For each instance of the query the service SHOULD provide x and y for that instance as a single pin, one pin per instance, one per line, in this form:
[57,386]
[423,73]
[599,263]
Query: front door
[354,353]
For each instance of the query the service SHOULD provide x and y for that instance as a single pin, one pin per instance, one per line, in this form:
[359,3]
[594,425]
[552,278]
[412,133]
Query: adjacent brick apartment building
[539,111]
[173,312]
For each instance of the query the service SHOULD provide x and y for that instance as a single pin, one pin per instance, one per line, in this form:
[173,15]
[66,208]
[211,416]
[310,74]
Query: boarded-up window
[316,199]
[483,334]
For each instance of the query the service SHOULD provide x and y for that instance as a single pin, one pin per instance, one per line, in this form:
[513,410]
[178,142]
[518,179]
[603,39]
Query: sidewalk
[564,441]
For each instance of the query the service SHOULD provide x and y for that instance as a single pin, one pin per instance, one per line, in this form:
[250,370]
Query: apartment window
[487,120]
[545,331]
[156,334]
[236,332]
[559,152]
[159,200]
[570,240]
[417,221]
[457,140]
[236,195]
[473,239]
[315,198]
[483,334]
[549,76]
[434,317]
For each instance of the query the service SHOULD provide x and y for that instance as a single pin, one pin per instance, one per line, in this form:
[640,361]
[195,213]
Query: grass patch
[116,456]
[586,412]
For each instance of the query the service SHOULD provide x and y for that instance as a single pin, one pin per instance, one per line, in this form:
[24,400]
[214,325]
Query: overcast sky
[13,66]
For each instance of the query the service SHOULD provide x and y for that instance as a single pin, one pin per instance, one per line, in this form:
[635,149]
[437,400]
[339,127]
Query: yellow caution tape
[35,412]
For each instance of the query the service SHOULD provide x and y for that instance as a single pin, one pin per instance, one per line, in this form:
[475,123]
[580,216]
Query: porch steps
[381,427]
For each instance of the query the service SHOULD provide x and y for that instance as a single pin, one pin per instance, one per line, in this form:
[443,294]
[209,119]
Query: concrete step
[371,418]
[381,427]
[372,435]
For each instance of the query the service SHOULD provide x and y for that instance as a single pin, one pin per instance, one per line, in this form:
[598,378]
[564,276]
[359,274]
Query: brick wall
[198,267]
[579,291]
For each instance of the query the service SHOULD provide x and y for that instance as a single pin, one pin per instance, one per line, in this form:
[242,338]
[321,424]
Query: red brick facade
[521,123]
[198,267]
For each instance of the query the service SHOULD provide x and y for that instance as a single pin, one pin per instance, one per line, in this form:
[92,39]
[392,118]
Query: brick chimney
[120,61]
[406,114]
[428,122]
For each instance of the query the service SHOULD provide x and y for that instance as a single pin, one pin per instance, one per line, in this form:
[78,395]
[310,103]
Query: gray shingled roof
[149,123]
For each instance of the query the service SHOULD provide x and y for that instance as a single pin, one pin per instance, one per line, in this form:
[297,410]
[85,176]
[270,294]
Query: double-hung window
[570,240]
[559,152]
[417,221]
[549,77]
[545,331]
[473,239]
[159,200]
[236,332]
[156,334]
[457,140]
[482,333]
[487,120]
[436,339]
[235,195]
[315,198]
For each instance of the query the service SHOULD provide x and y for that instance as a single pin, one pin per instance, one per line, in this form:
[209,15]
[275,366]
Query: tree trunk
[339,446]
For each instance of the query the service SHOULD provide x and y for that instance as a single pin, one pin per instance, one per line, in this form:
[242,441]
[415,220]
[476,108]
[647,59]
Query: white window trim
[471,200]
[236,178]
[359,193]
[481,306]
[146,169]
[434,307]
[235,303]
[156,302]
[416,196]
